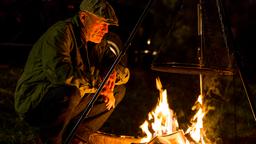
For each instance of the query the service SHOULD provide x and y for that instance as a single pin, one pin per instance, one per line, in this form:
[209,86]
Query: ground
[141,97]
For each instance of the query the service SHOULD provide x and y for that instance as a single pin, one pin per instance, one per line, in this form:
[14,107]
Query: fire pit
[161,127]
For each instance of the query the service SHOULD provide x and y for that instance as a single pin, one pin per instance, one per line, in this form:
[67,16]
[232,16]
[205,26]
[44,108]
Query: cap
[100,8]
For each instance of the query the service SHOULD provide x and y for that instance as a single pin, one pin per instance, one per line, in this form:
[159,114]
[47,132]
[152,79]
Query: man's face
[97,31]
[96,28]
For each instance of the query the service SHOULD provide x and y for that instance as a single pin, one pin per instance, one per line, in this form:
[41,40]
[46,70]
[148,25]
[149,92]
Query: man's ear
[83,16]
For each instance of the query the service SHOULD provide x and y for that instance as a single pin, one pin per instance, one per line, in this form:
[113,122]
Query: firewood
[105,138]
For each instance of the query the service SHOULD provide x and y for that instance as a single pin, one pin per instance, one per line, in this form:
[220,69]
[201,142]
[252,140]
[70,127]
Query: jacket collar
[77,27]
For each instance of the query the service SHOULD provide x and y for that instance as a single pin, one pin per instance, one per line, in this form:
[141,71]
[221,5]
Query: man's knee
[72,91]
[62,98]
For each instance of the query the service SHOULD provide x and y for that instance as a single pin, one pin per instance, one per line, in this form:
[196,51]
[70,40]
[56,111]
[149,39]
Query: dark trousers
[59,110]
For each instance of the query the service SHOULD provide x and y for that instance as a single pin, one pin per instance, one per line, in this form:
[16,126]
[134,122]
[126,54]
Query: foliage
[12,129]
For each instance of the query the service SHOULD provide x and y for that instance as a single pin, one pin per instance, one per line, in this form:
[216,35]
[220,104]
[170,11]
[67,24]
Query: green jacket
[59,56]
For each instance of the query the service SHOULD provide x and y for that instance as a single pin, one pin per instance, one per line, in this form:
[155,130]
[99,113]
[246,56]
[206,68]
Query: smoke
[218,107]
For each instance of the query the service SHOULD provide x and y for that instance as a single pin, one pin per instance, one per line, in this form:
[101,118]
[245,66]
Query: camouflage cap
[100,8]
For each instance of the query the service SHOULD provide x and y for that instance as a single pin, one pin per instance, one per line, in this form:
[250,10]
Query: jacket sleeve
[113,47]
[56,55]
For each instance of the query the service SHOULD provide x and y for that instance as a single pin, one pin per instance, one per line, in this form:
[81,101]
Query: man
[63,71]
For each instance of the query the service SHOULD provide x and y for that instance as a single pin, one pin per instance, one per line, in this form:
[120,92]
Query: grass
[12,129]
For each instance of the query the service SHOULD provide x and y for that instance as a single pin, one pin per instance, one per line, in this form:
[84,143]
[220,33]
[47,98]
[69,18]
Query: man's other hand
[107,91]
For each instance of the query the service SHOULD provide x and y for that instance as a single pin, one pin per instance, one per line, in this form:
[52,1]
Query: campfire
[162,124]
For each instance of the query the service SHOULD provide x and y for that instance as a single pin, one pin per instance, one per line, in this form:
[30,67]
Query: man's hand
[85,90]
[107,91]
[109,99]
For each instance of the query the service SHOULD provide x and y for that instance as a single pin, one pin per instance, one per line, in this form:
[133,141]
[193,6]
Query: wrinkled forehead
[97,19]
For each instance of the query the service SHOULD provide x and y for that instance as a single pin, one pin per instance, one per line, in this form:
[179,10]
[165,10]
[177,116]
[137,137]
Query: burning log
[105,138]
[177,137]
[174,138]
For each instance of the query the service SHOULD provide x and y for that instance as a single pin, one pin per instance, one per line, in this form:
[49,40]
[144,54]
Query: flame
[161,119]
[195,130]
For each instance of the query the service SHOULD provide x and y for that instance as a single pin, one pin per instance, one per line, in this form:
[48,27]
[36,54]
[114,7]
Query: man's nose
[105,28]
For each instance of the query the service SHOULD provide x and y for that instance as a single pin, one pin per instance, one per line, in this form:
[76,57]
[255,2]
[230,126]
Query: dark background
[23,21]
